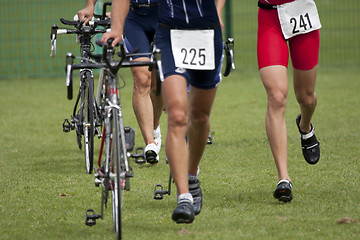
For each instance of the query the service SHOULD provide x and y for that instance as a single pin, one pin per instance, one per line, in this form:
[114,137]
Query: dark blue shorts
[139,29]
[204,79]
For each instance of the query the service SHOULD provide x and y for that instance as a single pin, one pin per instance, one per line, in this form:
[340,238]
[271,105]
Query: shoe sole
[151,157]
[182,219]
[283,195]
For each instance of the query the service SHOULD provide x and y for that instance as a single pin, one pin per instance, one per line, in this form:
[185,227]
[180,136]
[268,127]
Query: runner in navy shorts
[139,31]
[185,28]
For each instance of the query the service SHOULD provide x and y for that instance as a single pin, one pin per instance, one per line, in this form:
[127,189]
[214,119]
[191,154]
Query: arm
[119,12]
[87,12]
[220,6]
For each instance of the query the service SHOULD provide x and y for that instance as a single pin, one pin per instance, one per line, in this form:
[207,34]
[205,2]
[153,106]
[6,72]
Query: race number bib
[193,49]
[298,17]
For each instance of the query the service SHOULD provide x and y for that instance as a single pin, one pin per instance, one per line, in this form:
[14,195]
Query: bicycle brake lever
[53,35]
[157,56]
[229,51]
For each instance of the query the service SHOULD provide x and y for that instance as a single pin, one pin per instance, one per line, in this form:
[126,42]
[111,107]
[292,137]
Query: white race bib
[193,49]
[298,17]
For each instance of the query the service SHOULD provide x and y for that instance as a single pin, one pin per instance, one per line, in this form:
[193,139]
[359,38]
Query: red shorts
[272,48]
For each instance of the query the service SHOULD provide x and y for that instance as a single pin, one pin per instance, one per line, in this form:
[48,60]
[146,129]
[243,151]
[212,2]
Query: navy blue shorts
[139,29]
[204,79]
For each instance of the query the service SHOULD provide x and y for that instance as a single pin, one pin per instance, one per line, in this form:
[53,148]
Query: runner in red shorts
[289,26]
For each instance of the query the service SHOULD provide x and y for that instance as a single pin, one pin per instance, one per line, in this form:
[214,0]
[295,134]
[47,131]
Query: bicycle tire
[117,186]
[89,126]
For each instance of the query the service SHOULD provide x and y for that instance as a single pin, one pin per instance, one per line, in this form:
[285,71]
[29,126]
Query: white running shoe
[151,153]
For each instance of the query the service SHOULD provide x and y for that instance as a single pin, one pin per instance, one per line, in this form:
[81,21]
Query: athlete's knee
[177,118]
[277,100]
[142,82]
[306,99]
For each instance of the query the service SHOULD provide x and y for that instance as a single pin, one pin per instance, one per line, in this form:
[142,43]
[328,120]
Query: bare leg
[200,105]
[142,105]
[276,85]
[156,101]
[304,87]
[176,104]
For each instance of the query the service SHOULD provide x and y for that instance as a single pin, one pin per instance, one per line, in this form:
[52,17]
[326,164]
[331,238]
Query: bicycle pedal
[90,217]
[139,156]
[67,126]
[159,192]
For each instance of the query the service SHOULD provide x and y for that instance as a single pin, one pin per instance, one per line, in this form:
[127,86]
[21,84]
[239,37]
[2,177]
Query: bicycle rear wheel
[118,179]
[89,123]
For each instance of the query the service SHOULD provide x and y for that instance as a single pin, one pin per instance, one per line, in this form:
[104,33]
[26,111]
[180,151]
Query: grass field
[44,191]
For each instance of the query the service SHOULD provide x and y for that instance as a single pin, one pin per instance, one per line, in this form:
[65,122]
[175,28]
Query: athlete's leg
[275,82]
[304,86]
[200,103]
[142,104]
[157,101]
[176,104]
[304,51]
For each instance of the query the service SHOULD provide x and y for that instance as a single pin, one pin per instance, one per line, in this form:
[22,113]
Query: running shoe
[151,153]
[184,212]
[283,191]
[157,139]
[210,137]
[309,144]
[195,190]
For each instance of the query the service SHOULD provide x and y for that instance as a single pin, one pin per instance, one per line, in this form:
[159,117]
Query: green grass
[39,163]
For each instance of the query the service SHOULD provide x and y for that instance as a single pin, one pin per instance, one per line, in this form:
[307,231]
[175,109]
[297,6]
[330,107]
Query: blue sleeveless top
[188,14]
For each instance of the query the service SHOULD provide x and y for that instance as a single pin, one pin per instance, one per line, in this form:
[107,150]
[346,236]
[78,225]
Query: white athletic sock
[185,197]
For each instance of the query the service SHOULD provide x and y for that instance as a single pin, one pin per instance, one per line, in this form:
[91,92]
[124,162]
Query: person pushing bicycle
[189,36]
[139,31]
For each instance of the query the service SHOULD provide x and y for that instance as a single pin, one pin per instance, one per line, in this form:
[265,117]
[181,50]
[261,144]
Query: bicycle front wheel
[89,124]
[118,178]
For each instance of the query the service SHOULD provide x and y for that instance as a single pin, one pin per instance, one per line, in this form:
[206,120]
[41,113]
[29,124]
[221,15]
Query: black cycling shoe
[184,212]
[309,144]
[195,190]
[283,191]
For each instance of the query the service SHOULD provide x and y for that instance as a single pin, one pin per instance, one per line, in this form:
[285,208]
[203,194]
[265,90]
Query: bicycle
[114,172]
[85,119]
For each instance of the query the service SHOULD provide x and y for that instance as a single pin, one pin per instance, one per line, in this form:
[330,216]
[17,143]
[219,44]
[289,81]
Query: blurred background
[25,35]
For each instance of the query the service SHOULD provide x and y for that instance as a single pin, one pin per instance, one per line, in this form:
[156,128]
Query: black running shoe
[309,144]
[195,190]
[283,191]
[184,212]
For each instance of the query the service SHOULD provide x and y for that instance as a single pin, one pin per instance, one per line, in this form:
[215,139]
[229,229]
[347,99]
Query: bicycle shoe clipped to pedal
[129,138]
[67,126]
[159,192]
[139,155]
[90,217]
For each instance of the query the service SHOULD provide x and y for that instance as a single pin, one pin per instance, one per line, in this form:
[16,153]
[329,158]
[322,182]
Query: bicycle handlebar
[114,65]
[80,29]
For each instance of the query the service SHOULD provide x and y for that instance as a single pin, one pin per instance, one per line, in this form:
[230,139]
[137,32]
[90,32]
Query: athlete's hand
[116,35]
[86,14]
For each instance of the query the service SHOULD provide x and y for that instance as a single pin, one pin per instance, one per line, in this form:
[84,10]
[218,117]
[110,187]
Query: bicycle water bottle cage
[90,217]
[129,138]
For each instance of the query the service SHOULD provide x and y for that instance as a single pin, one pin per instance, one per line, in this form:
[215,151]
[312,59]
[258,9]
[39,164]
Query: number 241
[302,23]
